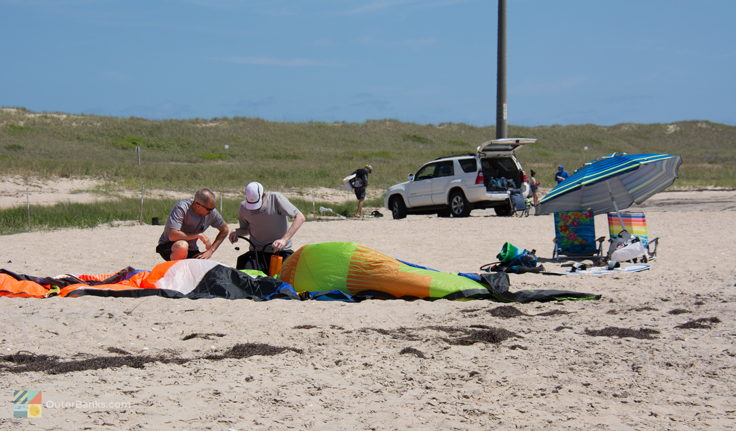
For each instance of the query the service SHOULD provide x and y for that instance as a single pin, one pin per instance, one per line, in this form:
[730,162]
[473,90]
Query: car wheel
[459,206]
[504,210]
[398,208]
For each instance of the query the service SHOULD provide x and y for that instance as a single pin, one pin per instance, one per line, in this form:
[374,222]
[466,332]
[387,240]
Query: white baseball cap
[253,195]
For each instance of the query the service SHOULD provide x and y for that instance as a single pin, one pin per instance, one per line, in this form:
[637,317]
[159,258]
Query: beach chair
[575,236]
[634,228]
[519,204]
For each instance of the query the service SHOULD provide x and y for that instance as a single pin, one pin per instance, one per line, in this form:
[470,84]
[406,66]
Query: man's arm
[243,230]
[178,235]
[224,231]
[299,220]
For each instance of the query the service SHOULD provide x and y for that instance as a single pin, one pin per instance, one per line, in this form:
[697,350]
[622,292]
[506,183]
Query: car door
[443,175]
[419,190]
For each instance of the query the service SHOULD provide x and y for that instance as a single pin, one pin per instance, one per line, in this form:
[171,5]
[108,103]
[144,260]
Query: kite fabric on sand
[190,278]
[363,273]
[343,271]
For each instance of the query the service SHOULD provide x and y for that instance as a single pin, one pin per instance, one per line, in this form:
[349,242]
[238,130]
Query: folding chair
[575,236]
[634,226]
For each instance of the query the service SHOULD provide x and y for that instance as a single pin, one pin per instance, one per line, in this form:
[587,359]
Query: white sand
[349,371]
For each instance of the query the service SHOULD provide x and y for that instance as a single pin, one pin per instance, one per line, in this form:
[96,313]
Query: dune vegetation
[225,153]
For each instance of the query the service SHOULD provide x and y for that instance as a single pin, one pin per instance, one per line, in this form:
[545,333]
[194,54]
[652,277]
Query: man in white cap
[264,216]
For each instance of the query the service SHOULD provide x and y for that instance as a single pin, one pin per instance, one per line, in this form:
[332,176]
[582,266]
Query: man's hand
[233,237]
[205,254]
[279,244]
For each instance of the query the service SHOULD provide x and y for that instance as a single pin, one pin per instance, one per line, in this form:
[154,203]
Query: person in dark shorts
[186,224]
[534,185]
[359,184]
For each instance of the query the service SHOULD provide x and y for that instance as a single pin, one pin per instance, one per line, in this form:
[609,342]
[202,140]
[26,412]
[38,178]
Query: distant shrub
[417,138]
[13,147]
[15,129]
[129,143]
[213,156]
[283,156]
[373,155]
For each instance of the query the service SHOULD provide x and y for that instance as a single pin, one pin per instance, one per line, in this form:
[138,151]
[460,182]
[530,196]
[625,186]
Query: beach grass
[129,154]
[106,212]
[225,153]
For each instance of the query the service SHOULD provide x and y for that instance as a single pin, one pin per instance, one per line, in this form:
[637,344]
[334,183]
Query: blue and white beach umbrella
[612,183]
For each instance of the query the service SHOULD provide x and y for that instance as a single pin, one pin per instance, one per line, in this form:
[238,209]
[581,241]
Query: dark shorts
[164,250]
[359,193]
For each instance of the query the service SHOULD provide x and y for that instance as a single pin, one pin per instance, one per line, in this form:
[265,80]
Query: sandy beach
[656,352]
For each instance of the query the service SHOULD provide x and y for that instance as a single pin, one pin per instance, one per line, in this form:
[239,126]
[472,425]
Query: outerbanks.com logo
[27,404]
[30,404]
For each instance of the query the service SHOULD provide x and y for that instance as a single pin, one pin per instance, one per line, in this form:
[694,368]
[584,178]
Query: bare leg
[359,212]
[179,250]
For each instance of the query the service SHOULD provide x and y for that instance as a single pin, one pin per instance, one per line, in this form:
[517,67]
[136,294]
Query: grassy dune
[226,153]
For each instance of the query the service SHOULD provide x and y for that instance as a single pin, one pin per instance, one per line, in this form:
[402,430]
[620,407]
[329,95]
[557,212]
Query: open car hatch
[502,146]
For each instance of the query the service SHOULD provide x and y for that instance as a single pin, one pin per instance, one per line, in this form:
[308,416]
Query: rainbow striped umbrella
[612,183]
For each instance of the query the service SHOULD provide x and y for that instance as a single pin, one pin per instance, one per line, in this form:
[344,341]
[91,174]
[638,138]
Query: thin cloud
[414,43]
[382,5]
[280,62]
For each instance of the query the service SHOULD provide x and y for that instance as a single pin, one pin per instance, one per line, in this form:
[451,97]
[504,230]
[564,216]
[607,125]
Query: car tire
[459,206]
[504,210]
[397,207]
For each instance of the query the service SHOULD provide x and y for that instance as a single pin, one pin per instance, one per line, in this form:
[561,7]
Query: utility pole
[501,109]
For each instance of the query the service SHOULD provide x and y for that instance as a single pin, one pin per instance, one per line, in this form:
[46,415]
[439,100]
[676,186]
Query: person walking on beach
[264,217]
[561,174]
[534,185]
[186,224]
[359,184]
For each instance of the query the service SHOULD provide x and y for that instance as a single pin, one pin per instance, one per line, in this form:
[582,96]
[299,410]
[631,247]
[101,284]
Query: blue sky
[424,61]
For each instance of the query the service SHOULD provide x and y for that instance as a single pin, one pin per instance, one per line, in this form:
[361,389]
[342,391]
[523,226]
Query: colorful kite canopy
[363,272]
[189,278]
[343,271]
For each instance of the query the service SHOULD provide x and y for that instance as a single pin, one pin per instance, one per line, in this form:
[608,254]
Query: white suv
[455,185]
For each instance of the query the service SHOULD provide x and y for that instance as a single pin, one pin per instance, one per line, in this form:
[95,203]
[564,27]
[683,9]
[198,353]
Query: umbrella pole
[615,206]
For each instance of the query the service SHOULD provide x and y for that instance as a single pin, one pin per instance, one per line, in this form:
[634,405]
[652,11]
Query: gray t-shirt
[183,218]
[268,223]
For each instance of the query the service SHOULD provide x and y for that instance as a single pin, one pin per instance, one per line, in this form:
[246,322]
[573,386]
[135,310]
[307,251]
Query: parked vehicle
[455,185]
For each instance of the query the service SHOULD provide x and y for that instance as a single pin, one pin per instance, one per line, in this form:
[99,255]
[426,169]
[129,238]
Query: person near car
[360,183]
[561,174]
[263,216]
[534,185]
[187,222]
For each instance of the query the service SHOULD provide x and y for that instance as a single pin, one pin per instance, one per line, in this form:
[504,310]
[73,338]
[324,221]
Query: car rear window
[468,165]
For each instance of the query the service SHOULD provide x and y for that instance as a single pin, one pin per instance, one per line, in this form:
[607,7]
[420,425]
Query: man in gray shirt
[186,224]
[264,216]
